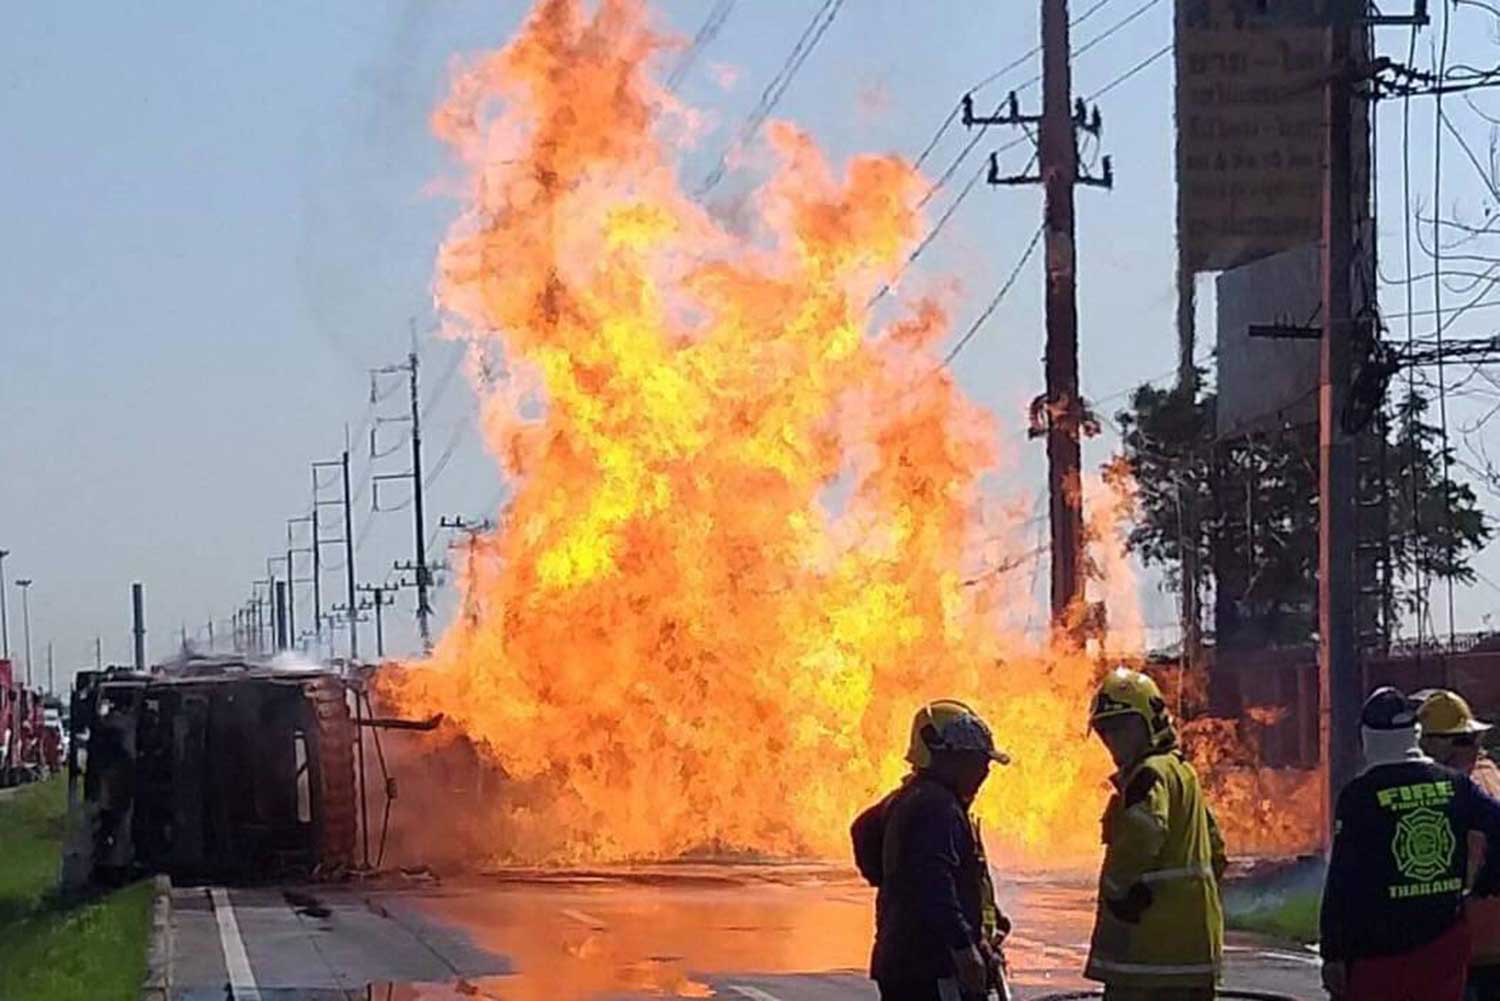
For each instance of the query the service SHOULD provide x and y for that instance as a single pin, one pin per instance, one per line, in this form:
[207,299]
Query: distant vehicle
[54,742]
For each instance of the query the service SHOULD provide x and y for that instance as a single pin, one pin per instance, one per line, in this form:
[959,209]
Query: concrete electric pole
[379,598]
[347,541]
[4,625]
[138,620]
[419,568]
[24,584]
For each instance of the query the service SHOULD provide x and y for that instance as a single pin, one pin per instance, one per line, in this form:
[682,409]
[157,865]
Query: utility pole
[291,575]
[422,571]
[281,604]
[25,585]
[1059,167]
[424,608]
[1339,680]
[265,627]
[281,629]
[1059,414]
[349,557]
[317,575]
[380,597]
[347,541]
[98,653]
[51,689]
[4,625]
[473,529]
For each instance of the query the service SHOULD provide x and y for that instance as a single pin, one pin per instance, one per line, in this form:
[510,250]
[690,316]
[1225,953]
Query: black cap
[1388,709]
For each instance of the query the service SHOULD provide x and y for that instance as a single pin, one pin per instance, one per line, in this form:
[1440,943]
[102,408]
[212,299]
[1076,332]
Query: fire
[749,533]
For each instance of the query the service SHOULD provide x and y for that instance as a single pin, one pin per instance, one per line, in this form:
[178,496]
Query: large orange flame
[748,535]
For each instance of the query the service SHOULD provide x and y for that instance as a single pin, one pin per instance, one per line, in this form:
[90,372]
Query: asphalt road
[756,932]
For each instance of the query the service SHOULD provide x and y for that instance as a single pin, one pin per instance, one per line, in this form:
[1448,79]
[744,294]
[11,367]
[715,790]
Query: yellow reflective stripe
[1160,876]
[1185,872]
[1164,969]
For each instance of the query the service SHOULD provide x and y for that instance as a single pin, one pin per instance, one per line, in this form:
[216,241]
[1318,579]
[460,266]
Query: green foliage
[1244,511]
[1292,916]
[55,950]
[95,950]
[31,831]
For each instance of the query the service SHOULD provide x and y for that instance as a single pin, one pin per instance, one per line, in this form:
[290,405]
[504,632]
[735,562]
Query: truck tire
[336,811]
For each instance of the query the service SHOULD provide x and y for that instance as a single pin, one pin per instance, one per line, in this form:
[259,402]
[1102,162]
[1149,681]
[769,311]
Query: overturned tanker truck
[223,769]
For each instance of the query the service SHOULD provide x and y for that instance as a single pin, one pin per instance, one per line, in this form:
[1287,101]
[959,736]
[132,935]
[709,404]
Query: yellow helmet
[1124,692]
[950,725]
[1447,714]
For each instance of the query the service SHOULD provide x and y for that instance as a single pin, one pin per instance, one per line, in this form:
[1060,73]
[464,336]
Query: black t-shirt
[1400,851]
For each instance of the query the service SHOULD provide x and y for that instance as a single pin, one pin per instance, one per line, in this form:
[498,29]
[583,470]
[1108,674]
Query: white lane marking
[584,919]
[242,985]
[753,993]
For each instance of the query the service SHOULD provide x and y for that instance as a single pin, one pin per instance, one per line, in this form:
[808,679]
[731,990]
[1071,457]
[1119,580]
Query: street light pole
[25,585]
[4,625]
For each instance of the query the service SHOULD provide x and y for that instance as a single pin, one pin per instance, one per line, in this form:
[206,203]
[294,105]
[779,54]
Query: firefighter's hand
[1335,978]
[970,969]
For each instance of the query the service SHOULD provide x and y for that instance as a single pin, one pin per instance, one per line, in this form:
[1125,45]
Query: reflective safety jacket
[1159,921]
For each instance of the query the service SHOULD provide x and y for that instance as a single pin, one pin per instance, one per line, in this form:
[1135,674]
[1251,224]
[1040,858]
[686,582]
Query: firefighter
[938,929]
[1392,921]
[1451,736]
[1159,929]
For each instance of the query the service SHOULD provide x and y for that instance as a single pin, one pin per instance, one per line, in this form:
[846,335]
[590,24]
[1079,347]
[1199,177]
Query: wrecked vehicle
[220,769]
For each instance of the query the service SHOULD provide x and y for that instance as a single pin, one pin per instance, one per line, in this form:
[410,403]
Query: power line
[948,213]
[1437,298]
[1016,63]
[994,303]
[1109,32]
[459,430]
[774,91]
[1139,67]
[931,235]
[443,383]
[707,32]
[1411,377]
[1036,49]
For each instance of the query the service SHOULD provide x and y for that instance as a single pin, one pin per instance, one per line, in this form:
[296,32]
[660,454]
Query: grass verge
[52,949]
[1292,916]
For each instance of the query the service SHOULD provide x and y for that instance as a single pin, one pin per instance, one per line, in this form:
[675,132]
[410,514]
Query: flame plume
[748,536]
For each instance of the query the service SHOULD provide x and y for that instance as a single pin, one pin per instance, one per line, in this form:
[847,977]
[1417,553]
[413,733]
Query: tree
[1242,513]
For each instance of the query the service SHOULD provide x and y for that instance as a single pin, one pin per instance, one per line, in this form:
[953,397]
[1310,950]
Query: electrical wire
[1463,144]
[974,141]
[1139,67]
[776,89]
[1016,63]
[948,213]
[994,303]
[1418,591]
[1099,39]
[444,381]
[707,32]
[1437,302]
[459,430]
[931,235]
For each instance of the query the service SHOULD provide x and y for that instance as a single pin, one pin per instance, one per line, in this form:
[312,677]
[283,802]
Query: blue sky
[217,219]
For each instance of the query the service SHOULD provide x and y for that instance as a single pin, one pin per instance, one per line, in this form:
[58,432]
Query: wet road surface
[756,932]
